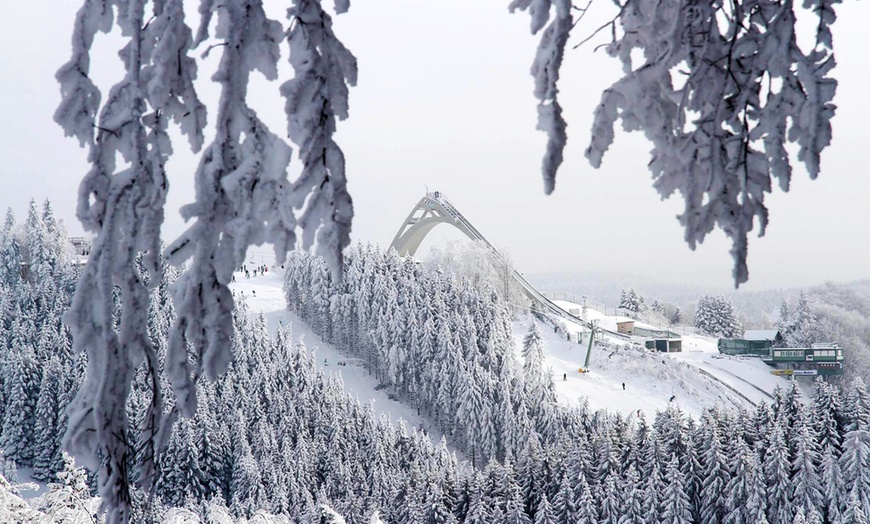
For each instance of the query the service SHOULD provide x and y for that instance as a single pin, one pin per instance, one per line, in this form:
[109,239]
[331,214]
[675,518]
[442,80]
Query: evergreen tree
[784,322]
[777,472]
[832,480]
[854,513]
[855,467]
[533,354]
[632,302]
[826,413]
[478,512]
[676,507]
[856,410]
[10,253]
[805,480]
[610,506]
[715,475]
[35,252]
[587,510]
[632,511]
[544,512]
[715,316]
[802,328]
[739,487]
[17,438]
[652,495]
[46,430]
[756,500]
[564,506]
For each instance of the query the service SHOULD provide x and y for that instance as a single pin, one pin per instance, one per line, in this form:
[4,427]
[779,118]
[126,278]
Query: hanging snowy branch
[241,195]
[316,95]
[123,206]
[545,70]
[720,90]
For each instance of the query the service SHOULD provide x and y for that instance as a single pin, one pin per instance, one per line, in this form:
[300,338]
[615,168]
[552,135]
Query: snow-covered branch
[719,91]
[123,206]
[545,70]
[316,96]
[241,195]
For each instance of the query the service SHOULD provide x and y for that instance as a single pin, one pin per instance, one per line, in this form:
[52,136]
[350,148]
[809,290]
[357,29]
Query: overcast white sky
[444,100]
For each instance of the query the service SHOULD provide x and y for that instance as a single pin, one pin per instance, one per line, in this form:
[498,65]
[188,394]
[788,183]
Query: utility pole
[593,326]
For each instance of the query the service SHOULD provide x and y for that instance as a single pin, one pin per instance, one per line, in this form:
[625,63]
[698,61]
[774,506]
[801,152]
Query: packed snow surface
[264,295]
[696,378]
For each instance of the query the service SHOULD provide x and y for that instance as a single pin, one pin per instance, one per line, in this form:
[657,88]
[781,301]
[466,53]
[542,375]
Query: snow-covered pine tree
[832,480]
[738,488]
[803,326]
[777,474]
[22,383]
[57,244]
[564,506]
[653,488]
[807,487]
[533,353]
[676,317]
[676,507]
[632,302]
[587,510]
[784,324]
[854,512]
[715,316]
[855,467]
[544,513]
[800,517]
[48,408]
[478,511]
[10,253]
[856,408]
[715,473]
[609,504]
[826,414]
[632,497]
[756,501]
[34,251]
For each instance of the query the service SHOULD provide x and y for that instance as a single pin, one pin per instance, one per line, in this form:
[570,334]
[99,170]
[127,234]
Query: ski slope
[264,295]
[696,378]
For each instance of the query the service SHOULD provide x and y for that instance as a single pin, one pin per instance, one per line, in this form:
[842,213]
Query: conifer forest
[274,436]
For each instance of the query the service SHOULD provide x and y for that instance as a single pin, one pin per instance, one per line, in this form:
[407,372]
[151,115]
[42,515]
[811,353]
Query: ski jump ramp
[434,209]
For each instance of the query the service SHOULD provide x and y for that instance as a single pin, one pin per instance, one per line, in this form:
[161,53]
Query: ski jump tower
[434,209]
[431,210]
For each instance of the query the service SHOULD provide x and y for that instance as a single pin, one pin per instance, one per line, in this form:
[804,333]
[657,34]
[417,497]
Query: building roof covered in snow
[761,334]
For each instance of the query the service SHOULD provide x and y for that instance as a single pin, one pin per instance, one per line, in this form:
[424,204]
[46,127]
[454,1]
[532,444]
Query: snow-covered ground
[264,295]
[693,379]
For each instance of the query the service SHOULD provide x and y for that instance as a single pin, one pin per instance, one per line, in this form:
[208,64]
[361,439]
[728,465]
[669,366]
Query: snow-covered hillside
[694,379]
[264,295]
